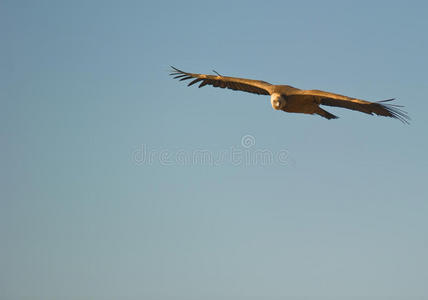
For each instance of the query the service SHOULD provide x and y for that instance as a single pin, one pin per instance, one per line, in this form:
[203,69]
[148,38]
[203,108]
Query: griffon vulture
[294,100]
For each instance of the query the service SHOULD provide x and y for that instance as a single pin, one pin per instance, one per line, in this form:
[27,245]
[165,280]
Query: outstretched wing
[380,108]
[233,83]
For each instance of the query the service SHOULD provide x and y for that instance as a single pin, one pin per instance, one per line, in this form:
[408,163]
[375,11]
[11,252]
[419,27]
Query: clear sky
[338,212]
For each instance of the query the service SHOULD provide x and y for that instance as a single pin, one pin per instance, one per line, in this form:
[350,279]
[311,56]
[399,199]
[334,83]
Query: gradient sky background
[84,88]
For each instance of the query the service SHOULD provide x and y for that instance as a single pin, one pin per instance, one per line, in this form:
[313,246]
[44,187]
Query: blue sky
[84,91]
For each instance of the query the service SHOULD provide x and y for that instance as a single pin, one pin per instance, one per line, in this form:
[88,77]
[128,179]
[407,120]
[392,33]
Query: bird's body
[294,100]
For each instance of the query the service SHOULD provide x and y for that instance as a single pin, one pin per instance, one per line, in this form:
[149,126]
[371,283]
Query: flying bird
[294,100]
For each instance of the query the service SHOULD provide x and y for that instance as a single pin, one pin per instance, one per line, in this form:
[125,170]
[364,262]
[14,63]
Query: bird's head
[277,101]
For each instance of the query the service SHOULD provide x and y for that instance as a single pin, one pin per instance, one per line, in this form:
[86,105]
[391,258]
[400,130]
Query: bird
[293,100]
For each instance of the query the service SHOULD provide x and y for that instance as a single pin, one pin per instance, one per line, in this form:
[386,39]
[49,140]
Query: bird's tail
[326,114]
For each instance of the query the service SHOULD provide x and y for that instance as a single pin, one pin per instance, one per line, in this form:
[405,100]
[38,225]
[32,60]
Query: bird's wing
[233,83]
[380,108]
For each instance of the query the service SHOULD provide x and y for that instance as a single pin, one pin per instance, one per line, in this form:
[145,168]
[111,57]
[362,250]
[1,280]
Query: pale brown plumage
[290,99]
